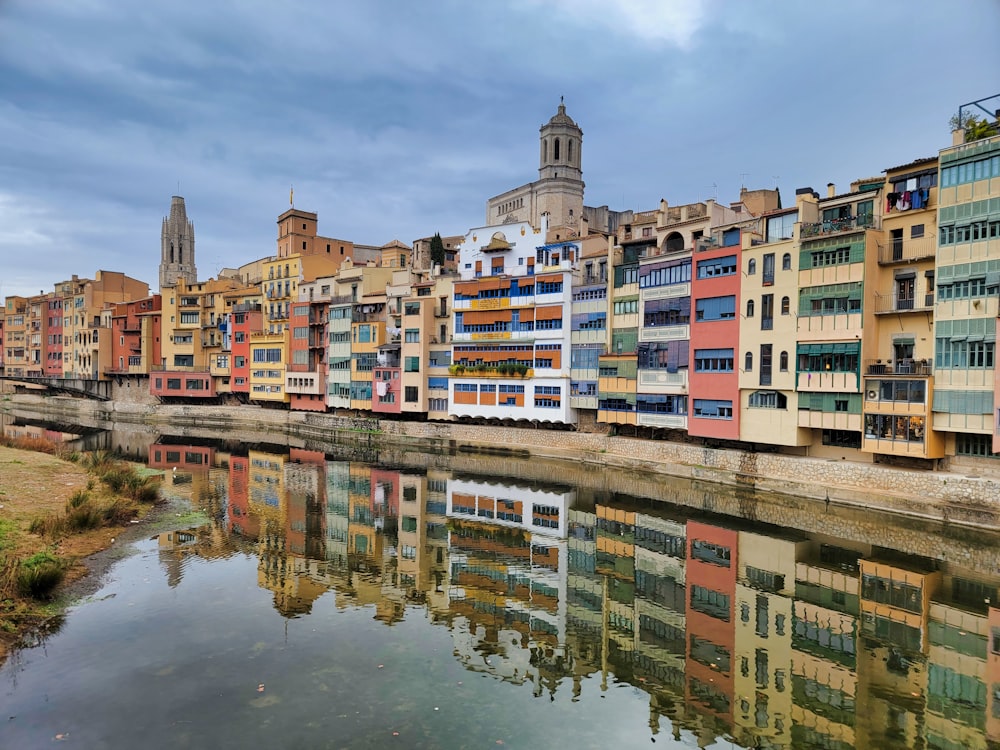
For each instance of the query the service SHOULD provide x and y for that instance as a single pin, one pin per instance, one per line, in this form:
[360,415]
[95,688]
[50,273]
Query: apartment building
[835,320]
[135,336]
[194,331]
[16,335]
[768,400]
[967,273]
[899,384]
[511,326]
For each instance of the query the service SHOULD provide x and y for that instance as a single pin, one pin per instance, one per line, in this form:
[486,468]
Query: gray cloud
[396,120]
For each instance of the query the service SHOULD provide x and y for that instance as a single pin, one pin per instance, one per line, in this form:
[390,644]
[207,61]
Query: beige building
[768,323]
[836,315]
[84,353]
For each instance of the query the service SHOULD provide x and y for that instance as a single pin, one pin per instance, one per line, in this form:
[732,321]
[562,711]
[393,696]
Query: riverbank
[963,495]
[37,490]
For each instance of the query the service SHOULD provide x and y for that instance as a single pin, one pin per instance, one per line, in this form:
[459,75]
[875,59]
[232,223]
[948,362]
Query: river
[334,598]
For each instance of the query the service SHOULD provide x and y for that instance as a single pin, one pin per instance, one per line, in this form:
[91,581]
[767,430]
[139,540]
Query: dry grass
[54,512]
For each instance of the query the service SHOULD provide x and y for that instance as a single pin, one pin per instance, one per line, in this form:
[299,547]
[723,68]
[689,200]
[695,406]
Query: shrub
[50,525]
[118,512]
[78,498]
[39,574]
[85,517]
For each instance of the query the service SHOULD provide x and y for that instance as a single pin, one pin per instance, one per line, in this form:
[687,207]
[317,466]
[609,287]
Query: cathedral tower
[561,144]
[177,246]
[558,191]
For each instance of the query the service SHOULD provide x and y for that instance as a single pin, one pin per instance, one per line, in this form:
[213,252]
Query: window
[411,394]
[783,362]
[765,364]
[767,400]
[713,360]
[786,262]
[767,277]
[411,364]
[716,267]
[715,308]
[750,308]
[748,362]
[916,231]
[713,409]
[751,267]
[785,305]
[781,227]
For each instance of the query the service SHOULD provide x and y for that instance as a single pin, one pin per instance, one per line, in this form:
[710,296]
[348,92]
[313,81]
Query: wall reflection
[773,637]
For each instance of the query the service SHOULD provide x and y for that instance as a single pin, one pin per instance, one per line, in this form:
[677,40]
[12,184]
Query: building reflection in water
[774,638]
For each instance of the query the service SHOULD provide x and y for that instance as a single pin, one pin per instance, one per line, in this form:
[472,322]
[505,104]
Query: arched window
[783,362]
[674,243]
[748,362]
[786,262]
[555,150]
[171,252]
[569,150]
[180,252]
[751,267]
[785,306]
[545,150]
[750,308]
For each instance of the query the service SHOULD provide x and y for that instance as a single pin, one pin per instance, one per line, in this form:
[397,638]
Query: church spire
[177,246]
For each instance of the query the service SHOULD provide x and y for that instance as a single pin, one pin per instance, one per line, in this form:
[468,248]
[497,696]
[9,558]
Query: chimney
[831,190]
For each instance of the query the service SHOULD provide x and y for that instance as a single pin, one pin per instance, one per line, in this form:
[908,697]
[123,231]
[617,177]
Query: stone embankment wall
[947,496]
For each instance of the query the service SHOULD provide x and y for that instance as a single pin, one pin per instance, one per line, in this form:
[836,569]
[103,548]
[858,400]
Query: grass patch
[38,575]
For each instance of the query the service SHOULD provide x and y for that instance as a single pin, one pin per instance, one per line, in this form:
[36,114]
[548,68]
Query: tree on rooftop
[975,127]
[437,250]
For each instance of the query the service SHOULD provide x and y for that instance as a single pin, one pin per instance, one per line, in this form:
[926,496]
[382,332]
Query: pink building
[713,400]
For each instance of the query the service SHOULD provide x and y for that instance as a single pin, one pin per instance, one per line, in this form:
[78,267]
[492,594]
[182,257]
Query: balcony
[894,303]
[838,226]
[908,367]
[906,251]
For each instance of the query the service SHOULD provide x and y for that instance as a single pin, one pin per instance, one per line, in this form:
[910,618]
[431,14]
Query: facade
[897,402]
[135,336]
[967,273]
[836,316]
[768,399]
[177,261]
[512,326]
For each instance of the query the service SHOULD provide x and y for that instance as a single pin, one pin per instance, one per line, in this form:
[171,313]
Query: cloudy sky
[395,119]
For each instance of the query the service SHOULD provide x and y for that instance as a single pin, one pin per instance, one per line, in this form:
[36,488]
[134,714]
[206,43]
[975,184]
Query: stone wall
[951,497]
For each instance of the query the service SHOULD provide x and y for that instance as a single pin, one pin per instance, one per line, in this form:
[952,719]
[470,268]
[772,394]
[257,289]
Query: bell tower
[177,246]
[561,147]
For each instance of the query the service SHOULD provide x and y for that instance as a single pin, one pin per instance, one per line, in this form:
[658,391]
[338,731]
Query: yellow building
[268,363]
[898,385]
[190,327]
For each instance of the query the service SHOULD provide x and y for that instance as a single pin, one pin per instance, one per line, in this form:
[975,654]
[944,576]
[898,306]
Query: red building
[241,520]
[135,335]
[54,342]
[710,612]
[714,394]
[305,378]
[246,318]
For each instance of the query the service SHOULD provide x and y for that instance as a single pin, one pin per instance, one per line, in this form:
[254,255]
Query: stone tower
[560,177]
[558,191]
[177,246]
